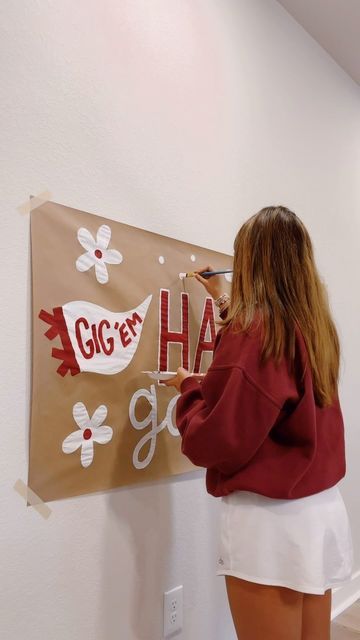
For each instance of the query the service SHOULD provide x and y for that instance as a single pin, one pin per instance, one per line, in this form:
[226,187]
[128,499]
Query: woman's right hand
[213,285]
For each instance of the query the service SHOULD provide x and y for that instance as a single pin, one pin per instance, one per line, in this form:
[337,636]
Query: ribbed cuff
[224,312]
[189,383]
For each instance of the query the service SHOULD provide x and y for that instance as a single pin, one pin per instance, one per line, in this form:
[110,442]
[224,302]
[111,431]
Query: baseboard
[344,596]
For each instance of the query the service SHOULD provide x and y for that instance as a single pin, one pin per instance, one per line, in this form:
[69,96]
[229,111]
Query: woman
[266,423]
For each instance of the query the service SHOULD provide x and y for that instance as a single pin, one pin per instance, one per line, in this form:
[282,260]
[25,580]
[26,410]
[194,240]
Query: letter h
[167,336]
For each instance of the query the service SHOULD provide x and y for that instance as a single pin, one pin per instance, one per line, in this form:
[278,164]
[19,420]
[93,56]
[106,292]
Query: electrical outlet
[173,611]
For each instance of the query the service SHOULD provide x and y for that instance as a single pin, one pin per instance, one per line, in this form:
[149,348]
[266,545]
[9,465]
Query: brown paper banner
[108,304]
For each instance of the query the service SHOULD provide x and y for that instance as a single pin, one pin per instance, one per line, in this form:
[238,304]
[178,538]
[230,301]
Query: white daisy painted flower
[97,252]
[89,432]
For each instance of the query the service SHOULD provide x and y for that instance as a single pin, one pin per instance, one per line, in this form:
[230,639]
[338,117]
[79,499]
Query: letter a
[205,345]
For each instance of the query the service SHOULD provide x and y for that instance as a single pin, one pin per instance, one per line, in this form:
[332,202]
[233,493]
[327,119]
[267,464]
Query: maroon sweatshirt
[257,428]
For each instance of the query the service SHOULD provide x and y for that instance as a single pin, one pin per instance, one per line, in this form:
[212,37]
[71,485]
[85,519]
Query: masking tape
[32,498]
[34,202]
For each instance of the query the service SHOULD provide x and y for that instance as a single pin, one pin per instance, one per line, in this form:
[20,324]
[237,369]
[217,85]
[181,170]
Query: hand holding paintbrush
[213,284]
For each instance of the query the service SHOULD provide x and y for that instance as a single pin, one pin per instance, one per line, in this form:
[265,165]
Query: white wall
[181,117]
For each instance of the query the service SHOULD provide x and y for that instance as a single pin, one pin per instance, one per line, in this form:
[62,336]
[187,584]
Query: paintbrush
[204,274]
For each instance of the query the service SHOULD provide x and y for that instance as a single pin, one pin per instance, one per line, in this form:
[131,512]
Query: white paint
[151,419]
[183,118]
[193,258]
[113,356]
[161,259]
[89,430]
[97,252]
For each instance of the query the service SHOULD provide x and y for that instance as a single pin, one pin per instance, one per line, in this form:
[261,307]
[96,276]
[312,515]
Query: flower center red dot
[98,253]
[87,434]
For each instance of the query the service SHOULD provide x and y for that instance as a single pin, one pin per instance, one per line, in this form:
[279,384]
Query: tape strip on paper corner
[32,498]
[34,201]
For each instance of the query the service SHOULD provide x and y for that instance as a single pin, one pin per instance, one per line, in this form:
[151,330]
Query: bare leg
[316,619]
[264,612]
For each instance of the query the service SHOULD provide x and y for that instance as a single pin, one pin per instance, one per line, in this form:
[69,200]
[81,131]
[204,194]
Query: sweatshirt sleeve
[223,313]
[224,419]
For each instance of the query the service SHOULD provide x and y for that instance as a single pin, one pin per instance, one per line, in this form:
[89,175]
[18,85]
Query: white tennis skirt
[303,544]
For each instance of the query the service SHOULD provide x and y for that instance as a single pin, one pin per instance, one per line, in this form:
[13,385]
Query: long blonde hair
[274,272]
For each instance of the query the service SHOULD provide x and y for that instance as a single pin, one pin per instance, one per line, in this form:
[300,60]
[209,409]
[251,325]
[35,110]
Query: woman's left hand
[176,381]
